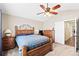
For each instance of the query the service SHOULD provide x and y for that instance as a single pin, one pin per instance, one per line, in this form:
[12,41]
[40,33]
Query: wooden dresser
[8,42]
[50,34]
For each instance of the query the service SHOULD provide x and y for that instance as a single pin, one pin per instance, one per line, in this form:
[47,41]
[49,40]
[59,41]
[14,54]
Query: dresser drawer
[5,42]
[8,43]
[5,47]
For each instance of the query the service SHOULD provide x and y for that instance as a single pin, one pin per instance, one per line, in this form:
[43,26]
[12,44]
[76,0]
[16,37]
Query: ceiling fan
[48,10]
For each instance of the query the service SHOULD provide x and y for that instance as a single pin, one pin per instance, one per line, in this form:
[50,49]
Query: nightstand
[8,42]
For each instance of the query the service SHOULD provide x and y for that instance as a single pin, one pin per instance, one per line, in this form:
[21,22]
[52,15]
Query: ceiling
[29,10]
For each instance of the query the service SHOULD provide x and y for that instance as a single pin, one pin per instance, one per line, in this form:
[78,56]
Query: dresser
[8,42]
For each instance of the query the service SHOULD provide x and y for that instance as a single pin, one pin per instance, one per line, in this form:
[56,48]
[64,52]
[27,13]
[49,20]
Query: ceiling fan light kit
[48,14]
[49,11]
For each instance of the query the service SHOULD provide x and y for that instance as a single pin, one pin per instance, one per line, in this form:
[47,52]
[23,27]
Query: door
[77,35]
[70,32]
[0,34]
[59,32]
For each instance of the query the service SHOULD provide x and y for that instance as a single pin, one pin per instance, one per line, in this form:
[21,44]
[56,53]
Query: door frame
[75,29]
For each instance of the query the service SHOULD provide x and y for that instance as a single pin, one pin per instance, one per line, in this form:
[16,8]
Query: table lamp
[8,32]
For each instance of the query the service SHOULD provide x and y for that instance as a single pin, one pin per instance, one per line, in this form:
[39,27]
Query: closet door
[0,34]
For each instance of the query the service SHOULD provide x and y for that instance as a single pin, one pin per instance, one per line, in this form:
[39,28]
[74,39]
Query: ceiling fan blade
[54,13]
[43,7]
[40,13]
[56,7]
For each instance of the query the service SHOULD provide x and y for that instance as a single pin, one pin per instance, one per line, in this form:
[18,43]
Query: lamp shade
[7,31]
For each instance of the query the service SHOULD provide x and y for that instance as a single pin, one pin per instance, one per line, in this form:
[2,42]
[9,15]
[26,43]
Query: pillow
[36,32]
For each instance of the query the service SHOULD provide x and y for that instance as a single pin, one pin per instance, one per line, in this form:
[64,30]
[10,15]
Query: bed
[30,44]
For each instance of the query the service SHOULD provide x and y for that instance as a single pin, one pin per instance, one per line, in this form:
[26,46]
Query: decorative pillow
[36,32]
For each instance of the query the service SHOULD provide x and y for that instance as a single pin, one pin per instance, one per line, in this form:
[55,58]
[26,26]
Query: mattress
[31,41]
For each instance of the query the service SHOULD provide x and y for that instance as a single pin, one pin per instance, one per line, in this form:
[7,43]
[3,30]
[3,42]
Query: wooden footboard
[39,51]
[24,51]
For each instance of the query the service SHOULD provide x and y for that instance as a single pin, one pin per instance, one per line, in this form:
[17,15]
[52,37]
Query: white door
[59,32]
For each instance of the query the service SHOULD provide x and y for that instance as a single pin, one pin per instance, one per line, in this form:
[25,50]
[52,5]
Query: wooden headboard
[24,29]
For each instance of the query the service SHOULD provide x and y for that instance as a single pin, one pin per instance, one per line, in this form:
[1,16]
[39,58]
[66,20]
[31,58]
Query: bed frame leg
[51,48]
[24,51]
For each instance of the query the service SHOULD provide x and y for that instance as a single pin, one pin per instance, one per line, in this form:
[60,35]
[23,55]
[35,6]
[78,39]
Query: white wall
[10,22]
[59,32]
[48,24]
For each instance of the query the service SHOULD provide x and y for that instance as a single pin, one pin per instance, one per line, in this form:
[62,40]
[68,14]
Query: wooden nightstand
[8,42]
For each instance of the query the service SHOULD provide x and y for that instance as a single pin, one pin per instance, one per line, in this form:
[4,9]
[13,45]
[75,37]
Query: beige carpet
[58,50]
[62,50]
